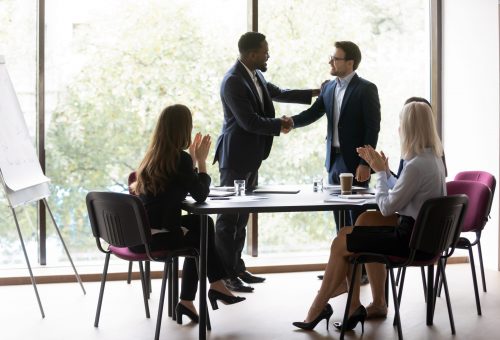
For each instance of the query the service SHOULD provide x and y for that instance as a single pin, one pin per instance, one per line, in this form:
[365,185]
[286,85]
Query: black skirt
[385,240]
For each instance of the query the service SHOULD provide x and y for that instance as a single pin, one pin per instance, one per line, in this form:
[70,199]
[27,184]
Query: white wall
[471,98]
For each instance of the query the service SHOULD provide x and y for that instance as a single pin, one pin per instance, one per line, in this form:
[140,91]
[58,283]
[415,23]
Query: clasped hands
[286,124]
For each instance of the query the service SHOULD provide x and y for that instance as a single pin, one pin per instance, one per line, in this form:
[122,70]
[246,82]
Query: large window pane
[111,67]
[394,40]
[18,46]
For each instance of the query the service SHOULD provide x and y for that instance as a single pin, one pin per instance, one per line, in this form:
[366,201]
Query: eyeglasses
[334,58]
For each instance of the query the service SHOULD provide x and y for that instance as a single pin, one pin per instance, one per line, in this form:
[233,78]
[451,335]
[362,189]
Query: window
[111,67]
[394,40]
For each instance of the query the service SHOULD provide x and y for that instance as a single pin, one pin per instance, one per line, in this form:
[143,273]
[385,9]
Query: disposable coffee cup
[239,187]
[346,183]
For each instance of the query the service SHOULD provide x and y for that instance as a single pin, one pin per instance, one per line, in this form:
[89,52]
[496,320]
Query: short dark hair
[250,41]
[351,50]
[417,100]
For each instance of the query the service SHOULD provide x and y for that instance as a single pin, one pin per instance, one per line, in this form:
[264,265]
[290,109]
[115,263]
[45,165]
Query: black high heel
[326,313]
[180,309]
[359,315]
[214,295]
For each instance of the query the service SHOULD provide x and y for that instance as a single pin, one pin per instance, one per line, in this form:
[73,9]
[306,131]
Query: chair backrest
[119,219]
[479,176]
[479,196]
[438,224]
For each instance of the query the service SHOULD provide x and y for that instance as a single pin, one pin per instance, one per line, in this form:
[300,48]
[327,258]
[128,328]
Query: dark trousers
[333,178]
[230,229]
[176,240]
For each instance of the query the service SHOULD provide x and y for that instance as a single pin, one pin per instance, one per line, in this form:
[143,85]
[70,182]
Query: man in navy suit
[352,108]
[245,141]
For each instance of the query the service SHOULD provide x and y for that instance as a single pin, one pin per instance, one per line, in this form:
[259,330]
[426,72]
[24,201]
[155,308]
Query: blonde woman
[422,178]
[164,178]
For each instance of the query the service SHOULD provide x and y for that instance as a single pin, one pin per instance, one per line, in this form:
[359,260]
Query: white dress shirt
[422,178]
[253,76]
[342,84]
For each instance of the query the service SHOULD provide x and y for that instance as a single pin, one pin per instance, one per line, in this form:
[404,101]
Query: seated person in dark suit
[164,178]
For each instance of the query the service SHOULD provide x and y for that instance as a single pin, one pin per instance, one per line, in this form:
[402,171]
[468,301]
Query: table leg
[203,278]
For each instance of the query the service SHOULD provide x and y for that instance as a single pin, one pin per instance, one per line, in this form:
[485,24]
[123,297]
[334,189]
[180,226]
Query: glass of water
[239,187]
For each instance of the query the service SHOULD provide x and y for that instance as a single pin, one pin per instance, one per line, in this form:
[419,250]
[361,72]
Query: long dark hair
[172,134]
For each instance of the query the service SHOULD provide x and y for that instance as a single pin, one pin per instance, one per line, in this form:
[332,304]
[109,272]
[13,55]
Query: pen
[219,198]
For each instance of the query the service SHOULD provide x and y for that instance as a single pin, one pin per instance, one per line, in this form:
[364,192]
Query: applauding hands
[199,150]
[377,161]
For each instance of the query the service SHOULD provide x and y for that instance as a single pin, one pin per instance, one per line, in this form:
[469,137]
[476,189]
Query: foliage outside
[112,67]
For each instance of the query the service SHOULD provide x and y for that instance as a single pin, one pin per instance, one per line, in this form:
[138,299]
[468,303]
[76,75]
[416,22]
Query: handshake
[286,124]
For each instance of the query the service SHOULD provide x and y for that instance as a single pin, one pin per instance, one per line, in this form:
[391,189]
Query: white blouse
[422,178]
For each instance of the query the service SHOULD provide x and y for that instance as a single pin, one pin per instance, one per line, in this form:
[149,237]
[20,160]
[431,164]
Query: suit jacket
[359,121]
[164,208]
[249,127]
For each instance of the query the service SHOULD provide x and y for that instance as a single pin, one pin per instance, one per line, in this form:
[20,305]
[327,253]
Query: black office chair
[436,231]
[173,272]
[121,221]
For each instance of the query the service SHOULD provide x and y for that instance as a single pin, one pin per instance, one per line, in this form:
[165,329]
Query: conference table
[270,200]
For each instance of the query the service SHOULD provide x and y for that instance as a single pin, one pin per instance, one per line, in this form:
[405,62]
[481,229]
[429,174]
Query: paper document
[357,196]
[217,193]
[337,187]
[223,188]
[354,201]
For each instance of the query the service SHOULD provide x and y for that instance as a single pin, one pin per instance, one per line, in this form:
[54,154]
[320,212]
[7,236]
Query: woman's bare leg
[335,275]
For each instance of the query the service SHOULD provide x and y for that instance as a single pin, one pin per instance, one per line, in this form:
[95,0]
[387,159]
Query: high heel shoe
[214,295]
[180,309]
[359,315]
[326,313]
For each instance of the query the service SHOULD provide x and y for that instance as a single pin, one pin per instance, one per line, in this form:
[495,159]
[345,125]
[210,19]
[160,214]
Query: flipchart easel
[21,175]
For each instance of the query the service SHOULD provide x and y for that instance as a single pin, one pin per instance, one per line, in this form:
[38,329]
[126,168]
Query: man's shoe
[249,278]
[320,277]
[236,285]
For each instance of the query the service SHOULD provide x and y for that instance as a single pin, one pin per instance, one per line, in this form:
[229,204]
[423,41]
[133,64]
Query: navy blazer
[249,127]
[359,121]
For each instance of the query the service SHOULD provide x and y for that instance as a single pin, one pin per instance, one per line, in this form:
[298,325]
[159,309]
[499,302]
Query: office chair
[121,221]
[436,231]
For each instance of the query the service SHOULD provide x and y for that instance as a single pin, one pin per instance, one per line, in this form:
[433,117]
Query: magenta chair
[476,217]
[490,181]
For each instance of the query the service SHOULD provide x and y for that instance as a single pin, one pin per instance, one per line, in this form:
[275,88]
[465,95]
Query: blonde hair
[418,130]
[172,134]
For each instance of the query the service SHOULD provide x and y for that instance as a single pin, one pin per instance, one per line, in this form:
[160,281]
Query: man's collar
[250,72]
[347,79]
